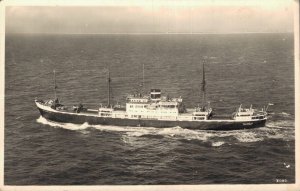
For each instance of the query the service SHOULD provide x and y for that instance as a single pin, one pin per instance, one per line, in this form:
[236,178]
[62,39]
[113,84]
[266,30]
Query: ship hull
[69,117]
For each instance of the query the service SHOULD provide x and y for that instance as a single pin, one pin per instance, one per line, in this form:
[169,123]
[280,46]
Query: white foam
[217,144]
[188,134]
[68,126]
[277,136]
[129,140]
[248,137]
[284,133]
[285,114]
[280,124]
[136,133]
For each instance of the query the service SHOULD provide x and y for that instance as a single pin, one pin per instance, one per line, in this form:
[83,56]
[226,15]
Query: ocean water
[241,68]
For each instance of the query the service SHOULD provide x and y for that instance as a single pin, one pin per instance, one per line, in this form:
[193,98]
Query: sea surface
[240,69]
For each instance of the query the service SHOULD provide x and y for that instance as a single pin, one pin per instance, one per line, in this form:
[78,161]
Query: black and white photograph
[149,93]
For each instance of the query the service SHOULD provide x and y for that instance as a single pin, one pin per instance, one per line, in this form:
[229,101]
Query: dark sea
[240,69]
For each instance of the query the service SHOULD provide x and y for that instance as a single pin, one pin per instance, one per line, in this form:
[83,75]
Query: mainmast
[55,87]
[142,83]
[203,86]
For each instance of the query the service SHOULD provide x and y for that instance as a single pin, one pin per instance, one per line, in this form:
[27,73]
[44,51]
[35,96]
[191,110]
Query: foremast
[56,101]
[204,112]
[55,86]
[141,89]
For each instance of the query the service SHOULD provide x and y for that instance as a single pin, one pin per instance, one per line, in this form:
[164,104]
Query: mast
[203,86]
[55,87]
[143,82]
[108,88]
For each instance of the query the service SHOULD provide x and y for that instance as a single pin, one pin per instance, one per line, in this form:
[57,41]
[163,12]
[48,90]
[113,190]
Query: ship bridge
[137,99]
[153,106]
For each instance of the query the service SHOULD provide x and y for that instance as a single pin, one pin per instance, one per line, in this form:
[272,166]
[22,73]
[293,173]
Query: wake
[273,130]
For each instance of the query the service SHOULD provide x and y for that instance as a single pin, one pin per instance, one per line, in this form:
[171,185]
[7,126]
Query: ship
[152,110]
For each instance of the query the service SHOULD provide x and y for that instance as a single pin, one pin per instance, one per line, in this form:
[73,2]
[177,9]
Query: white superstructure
[155,106]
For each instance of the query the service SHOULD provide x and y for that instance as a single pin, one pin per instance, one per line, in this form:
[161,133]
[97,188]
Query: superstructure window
[199,118]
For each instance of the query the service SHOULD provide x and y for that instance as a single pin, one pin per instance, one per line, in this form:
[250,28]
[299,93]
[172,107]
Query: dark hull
[200,125]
